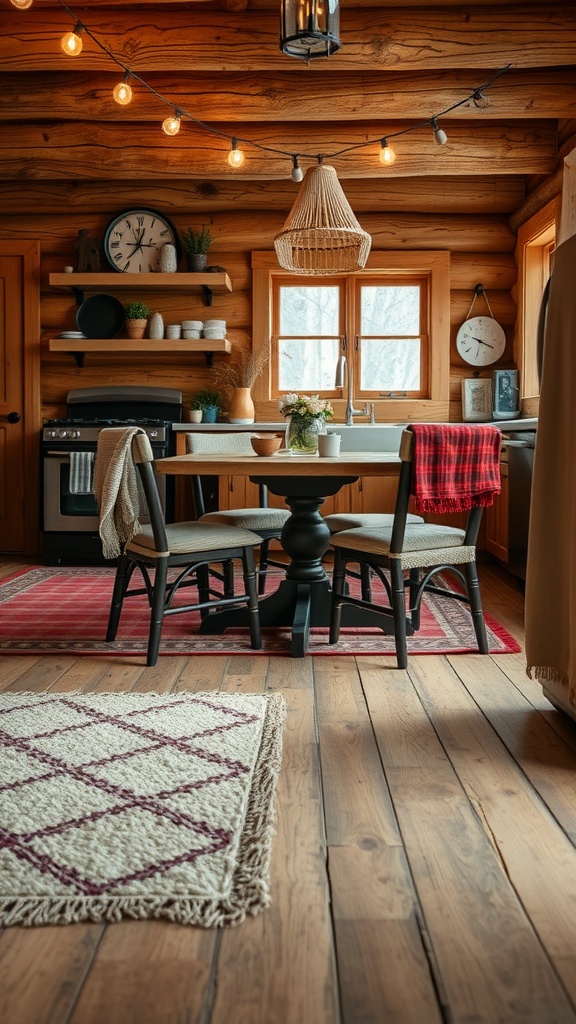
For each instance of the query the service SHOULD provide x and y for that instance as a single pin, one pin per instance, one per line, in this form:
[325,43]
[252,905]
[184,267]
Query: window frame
[433,265]
[535,238]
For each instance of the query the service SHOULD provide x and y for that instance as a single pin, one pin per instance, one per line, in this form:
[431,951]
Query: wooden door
[20,416]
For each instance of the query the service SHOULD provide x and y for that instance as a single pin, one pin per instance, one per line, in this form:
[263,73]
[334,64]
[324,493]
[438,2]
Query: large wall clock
[134,239]
[481,340]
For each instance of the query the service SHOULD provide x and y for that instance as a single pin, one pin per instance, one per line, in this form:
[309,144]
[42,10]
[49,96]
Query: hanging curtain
[551,570]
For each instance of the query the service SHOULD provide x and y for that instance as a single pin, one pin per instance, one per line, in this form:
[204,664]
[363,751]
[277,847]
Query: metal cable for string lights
[321,234]
[311,29]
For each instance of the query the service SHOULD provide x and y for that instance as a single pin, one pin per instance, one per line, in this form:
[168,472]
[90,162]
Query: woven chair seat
[189,538]
[358,520]
[249,518]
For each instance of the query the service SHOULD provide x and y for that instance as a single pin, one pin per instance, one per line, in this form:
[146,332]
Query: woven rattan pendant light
[321,234]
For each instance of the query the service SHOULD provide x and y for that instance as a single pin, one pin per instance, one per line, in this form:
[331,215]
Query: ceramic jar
[156,326]
[168,263]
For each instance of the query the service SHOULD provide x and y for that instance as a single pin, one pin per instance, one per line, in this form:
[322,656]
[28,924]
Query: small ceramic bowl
[266,444]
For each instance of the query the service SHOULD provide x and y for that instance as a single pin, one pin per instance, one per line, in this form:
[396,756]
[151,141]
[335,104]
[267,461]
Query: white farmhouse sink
[368,437]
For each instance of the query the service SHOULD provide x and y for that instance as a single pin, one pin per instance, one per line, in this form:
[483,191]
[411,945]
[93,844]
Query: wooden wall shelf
[120,346]
[183,282]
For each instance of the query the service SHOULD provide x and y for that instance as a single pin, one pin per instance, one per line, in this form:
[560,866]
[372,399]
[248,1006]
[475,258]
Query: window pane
[307,364]
[390,309]
[391,364]
[309,310]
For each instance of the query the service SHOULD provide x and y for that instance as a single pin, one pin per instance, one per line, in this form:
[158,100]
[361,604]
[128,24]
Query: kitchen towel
[81,473]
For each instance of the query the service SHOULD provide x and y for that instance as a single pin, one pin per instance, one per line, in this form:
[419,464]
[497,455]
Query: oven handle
[59,455]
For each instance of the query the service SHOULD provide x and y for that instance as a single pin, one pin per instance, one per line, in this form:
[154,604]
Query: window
[536,238]
[391,321]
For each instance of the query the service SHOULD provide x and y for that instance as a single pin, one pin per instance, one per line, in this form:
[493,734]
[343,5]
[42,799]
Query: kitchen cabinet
[207,284]
[496,516]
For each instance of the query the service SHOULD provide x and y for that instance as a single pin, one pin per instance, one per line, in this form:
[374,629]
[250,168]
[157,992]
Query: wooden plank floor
[424,868]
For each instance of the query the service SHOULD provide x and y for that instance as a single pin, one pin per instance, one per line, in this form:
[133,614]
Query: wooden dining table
[302,600]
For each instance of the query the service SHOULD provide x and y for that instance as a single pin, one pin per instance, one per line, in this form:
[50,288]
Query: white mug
[329,445]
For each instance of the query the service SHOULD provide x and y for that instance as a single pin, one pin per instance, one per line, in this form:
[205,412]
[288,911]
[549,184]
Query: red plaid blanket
[455,467]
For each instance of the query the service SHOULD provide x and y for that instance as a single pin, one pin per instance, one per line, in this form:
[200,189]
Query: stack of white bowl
[192,329]
[214,329]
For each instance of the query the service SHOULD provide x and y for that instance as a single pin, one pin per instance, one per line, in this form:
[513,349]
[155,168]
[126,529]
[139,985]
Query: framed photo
[506,394]
[476,399]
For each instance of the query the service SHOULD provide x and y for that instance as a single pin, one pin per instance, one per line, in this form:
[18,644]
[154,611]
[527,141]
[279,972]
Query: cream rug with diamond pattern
[137,805]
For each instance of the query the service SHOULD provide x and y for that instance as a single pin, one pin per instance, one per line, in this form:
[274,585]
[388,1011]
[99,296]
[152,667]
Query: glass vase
[302,433]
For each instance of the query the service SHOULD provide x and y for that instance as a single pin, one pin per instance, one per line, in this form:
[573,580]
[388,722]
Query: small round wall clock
[480,340]
[134,239]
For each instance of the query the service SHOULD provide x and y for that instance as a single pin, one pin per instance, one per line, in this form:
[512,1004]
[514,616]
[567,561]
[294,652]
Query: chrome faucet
[341,366]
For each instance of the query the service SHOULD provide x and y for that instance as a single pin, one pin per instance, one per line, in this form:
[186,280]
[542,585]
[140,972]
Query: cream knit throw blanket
[116,489]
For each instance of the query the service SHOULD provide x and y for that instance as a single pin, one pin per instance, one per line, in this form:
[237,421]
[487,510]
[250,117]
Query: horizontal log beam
[476,195]
[541,93]
[235,231]
[84,151]
[200,39]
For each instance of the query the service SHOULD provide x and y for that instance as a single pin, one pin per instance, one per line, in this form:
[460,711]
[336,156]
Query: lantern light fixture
[387,154]
[309,28]
[71,42]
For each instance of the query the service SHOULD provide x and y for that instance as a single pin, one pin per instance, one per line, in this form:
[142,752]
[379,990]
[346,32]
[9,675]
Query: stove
[70,517]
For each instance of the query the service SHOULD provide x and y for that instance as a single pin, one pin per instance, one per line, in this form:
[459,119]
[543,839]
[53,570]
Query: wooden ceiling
[401,63]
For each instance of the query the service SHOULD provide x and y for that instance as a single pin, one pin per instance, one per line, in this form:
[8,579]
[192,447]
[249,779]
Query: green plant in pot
[195,244]
[210,402]
[136,314]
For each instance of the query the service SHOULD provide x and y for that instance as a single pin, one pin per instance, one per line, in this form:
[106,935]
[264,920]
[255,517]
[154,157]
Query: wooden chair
[418,549]
[339,521]
[188,548]
[266,522]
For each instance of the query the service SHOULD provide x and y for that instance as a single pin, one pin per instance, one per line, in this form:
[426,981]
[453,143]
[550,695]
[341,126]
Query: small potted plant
[136,314]
[209,402]
[195,245]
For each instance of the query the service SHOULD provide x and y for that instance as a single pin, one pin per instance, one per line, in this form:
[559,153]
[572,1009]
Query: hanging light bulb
[22,5]
[172,124]
[235,156]
[297,172]
[387,154]
[71,42]
[440,137]
[122,92]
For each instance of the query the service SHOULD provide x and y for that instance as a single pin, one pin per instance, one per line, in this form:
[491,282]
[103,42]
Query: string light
[387,154]
[122,92]
[235,156]
[440,137]
[172,123]
[297,172]
[71,42]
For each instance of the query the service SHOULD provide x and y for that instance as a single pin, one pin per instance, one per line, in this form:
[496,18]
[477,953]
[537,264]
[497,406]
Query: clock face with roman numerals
[481,340]
[134,240]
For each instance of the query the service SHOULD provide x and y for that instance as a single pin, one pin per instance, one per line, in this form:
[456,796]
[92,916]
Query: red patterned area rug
[137,805]
[55,609]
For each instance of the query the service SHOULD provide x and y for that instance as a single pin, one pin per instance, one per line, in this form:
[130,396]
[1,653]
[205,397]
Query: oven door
[65,512]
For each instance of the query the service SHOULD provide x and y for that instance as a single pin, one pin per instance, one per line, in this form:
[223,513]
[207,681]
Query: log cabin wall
[481,247]
[71,158]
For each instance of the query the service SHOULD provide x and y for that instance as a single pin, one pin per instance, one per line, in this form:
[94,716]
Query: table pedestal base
[303,599]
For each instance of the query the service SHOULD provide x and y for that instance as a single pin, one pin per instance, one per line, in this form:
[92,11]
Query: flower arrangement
[306,418]
[305,406]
